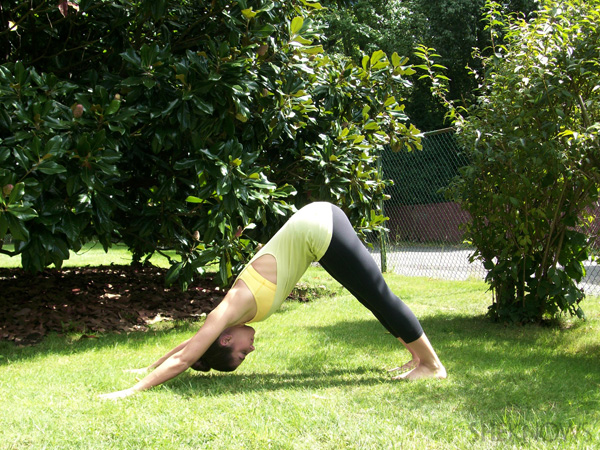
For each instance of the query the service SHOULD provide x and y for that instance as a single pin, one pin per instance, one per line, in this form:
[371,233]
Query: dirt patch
[95,300]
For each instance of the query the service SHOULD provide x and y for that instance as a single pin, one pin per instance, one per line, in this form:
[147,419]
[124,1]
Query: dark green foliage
[197,126]
[452,27]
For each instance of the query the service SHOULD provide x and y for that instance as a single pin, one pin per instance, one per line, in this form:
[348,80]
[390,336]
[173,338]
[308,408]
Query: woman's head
[228,351]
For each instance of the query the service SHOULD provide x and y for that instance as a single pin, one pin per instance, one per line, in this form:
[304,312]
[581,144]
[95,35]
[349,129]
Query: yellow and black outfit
[303,239]
[322,232]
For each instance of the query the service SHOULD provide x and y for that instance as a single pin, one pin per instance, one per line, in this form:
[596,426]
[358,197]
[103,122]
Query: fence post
[382,234]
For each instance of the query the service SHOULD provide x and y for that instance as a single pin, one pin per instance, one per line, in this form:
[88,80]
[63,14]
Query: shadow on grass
[473,344]
[496,373]
[491,367]
[233,383]
[58,345]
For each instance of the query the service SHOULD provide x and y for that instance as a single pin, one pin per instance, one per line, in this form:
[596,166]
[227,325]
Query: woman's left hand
[117,395]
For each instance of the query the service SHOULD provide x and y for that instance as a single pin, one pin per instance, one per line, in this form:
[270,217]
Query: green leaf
[312,4]
[16,228]
[53,145]
[365,62]
[3,225]
[173,273]
[203,106]
[296,26]
[170,107]
[264,31]
[51,168]
[377,56]
[225,270]
[148,82]
[71,225]
[192,199]
[365,111]
[17,193]
[35,147]
[132,81]
[301,40]
[312,50]
[185,164]
[5,119]
[22,212]
[390,101]
[117,128]
[248,13]
[371,125]
[148,55]
[396,60]
[4,154]
[132,57]
[113,107]
[20,73]
[223,186]
[60,250]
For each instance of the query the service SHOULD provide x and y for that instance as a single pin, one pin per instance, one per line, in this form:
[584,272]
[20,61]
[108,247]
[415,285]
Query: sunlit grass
[319,380]
[92,254]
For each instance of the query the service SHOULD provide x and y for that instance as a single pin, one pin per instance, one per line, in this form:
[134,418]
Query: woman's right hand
[117,395]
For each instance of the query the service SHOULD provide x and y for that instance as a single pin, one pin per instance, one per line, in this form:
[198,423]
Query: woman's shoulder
[237,307]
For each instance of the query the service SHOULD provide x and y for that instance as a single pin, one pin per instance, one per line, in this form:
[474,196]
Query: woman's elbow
[181,363]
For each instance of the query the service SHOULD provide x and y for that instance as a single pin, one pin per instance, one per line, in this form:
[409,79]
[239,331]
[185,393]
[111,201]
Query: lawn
[318,379]
[92,254]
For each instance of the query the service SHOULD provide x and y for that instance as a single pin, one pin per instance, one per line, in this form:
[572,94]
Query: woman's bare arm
[182,359]
[160,360]
[235,308]
[177,362]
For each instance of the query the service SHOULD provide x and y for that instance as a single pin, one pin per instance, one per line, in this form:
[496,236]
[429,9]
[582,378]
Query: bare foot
[408,366]
[422,371]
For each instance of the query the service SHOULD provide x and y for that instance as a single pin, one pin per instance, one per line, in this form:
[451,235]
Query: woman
[318,232]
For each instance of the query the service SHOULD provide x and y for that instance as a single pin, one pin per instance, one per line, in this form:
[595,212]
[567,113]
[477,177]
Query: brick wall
[440,223]
[435,222]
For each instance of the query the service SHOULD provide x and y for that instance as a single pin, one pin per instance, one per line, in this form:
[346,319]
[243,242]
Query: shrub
[198,126]
[532,138]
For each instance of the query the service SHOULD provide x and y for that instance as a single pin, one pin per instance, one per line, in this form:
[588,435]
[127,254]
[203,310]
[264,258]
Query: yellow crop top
[303,239]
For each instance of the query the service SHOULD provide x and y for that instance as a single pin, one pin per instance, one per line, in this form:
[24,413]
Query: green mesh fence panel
[425,237]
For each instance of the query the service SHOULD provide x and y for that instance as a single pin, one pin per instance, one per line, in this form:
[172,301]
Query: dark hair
[217,357]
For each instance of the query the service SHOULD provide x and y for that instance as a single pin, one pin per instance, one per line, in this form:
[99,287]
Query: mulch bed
[94,300]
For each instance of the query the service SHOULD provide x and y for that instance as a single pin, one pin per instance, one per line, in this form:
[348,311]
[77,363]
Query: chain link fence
[425,237]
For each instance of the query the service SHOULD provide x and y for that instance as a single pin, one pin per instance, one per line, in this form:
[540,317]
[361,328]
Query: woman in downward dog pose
[318,232]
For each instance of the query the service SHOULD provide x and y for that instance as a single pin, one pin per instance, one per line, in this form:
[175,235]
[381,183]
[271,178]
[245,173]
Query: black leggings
[349,262]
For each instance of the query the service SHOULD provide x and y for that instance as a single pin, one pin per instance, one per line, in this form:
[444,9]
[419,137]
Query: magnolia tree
[532,138]
[195,126]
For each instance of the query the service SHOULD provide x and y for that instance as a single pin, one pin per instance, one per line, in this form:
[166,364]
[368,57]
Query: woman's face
[241,342]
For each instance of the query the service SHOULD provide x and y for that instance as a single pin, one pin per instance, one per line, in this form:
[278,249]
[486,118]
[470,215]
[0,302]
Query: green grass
[92,254]
[318,380]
